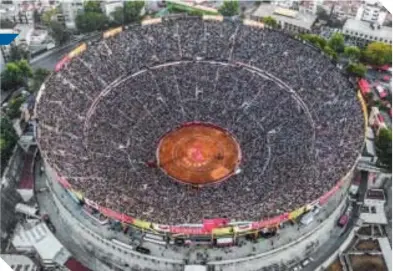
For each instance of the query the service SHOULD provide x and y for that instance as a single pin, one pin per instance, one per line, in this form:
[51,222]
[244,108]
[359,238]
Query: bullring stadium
[199,126]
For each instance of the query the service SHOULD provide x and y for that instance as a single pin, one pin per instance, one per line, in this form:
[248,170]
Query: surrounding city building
[363,32]
[68,12]
[288,19]
[371,13]
[19,262]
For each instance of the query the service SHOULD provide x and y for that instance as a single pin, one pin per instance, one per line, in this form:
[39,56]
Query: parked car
[143,250]
[343,220]
[381,91]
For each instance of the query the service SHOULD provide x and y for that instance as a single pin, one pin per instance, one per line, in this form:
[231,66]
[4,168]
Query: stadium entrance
[198,154]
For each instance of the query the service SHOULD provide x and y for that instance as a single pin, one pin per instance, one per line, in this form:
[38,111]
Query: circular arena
[179,120]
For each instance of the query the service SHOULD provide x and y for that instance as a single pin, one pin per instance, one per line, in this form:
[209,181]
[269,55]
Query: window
[380,39]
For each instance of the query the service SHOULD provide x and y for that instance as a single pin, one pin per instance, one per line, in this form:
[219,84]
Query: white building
[371,13]
[288,19]
[69,10]
[40,239]
[310,6]
[19,262]
[364,32]
[109,6]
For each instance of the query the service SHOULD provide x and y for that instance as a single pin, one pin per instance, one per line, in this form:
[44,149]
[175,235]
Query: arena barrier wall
[184,230]
[112,32]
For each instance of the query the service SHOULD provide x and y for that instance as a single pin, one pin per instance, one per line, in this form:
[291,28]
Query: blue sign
[7,38]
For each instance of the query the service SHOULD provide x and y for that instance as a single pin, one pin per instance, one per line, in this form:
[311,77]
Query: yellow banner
[297,213]
[253,23]
[141,224]
[78,50]
[213,18]
[77,194]
[112,32]
[222,231]
[364,109]
[151,21]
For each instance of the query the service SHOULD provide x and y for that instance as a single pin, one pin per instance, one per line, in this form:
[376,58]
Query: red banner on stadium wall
[210,224]
[111,214]
[127,219]
[270,222]
[327,196]
[188,230]
[61,63]
[63,182]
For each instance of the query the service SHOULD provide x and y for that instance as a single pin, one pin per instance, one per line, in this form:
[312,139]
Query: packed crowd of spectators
[295,116]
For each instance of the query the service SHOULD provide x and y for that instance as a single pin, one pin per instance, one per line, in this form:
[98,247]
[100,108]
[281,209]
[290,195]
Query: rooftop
[19,262]
[289,16]
[363,27]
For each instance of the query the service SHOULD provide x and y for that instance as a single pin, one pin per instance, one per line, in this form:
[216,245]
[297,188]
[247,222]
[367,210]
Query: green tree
[270,21]
[118,16]
[92,6]
[378,53]
[330,52]
[91,21]
[14,107]
[352,52]
[8,139]
[336,42]
[15,75]
[39,76]
[48,16]
[314,39]
[383,144]
[357,69]
[18,52]
[58,32]
[229,8]
[132,11]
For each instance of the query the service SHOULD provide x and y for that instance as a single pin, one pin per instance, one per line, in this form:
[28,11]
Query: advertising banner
[364,109]
[222,231]
[64,182]
[327,196]
[61,63]
[111,214]
[162,228]
[112,32]
[127,219]
[242,228]
[92,204]
[210,224]
[270,222]
[188,230]
[298,212]
[77,51]
[253,23]
[141,224]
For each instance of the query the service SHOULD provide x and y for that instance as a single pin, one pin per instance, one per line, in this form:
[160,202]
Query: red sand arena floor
[198,154]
